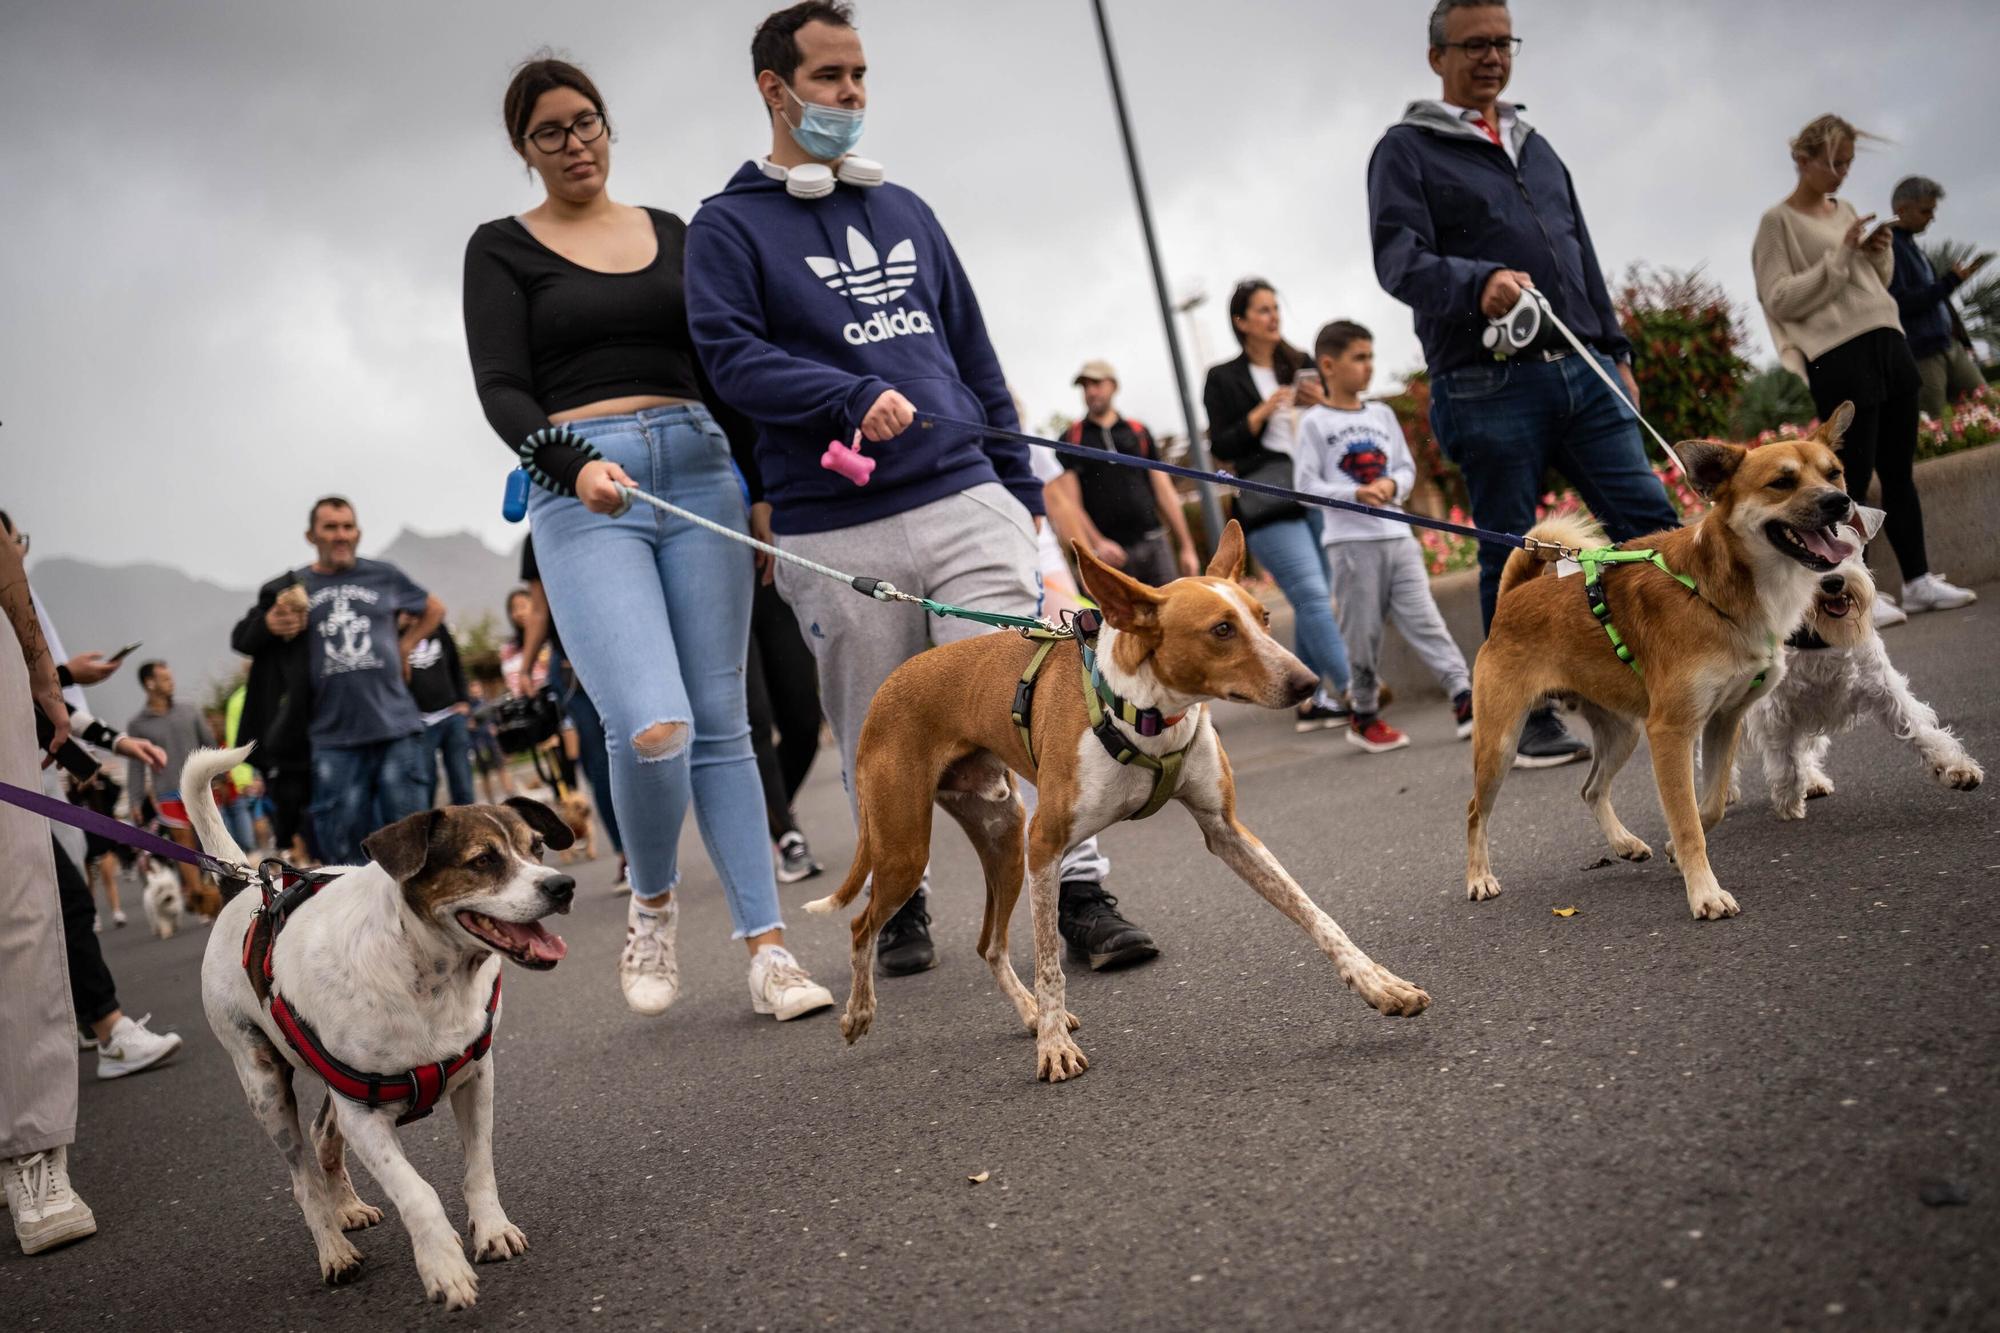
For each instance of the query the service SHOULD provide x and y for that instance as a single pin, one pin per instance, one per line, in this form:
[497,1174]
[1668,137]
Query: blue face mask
[826,132]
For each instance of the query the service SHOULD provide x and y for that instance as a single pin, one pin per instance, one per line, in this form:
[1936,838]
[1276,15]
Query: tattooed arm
[19,608]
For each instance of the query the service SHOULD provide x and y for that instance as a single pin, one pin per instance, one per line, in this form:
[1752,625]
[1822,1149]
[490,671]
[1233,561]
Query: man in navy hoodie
[1468,205]
[825,302]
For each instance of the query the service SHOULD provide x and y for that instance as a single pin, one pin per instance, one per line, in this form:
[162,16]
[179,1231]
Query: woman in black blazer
[1251,404]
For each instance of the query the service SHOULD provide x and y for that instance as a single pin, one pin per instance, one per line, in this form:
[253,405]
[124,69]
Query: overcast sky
[234,230]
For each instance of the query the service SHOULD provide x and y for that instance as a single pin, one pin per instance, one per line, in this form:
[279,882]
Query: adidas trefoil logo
[866,278]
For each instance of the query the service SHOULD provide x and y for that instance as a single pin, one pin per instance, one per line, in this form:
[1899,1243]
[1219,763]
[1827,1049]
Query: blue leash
[926,420]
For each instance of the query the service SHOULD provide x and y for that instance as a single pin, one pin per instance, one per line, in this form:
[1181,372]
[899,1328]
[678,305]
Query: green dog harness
[1106,709]
[1593,562]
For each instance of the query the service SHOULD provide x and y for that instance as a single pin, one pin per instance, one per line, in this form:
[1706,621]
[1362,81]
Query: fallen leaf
[1563,911]
[981,1178]
[1600,863]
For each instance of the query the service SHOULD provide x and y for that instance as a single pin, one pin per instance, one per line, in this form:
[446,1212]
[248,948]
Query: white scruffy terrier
[1836,673]
[165,904]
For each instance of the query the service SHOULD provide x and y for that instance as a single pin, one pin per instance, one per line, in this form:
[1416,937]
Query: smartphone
[126,651]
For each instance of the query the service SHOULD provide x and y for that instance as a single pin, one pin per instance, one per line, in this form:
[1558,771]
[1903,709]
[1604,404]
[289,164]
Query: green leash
[1593,562]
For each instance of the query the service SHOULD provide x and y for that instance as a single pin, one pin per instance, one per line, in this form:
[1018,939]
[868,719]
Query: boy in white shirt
[1351,450]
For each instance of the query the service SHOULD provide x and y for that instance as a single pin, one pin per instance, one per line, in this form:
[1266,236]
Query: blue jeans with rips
[1291,552]
[360,788]
[1507,424]
[654,614]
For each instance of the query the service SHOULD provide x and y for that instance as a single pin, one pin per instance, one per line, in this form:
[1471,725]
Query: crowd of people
[708,362]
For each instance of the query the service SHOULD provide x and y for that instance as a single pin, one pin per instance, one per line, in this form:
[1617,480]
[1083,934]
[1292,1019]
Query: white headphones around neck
[815,180]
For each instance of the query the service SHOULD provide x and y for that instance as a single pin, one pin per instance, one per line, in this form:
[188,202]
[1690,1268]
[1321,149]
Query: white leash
[1617,389]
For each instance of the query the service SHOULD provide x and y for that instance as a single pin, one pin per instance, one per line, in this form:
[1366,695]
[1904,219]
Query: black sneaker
[904,946]
[1316,716]
[795,859]
[1088,918]
[1546,743]
[1461,712]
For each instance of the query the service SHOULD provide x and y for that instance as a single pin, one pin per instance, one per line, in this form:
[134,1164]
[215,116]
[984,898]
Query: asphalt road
[1619,1119]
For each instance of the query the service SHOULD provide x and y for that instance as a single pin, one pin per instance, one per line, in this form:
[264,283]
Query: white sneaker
[118,918]
[96,924]
[1929,592]
[648,970]
[46,1211]
[781,988]
[131,1048]
[1886,612]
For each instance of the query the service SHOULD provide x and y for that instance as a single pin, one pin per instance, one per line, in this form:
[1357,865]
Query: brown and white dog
[393,965]
[941,728]
[1772,528]
[574,807]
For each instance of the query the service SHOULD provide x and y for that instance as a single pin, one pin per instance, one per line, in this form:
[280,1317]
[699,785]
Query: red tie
[1488,130]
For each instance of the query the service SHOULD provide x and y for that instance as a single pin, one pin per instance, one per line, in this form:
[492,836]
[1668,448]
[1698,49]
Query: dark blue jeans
[452,740]
[590,751]
[359,788]
[1507,424]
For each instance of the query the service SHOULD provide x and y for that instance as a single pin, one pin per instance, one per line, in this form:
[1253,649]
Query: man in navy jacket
[822,308]
[1923,299]
[1468,205]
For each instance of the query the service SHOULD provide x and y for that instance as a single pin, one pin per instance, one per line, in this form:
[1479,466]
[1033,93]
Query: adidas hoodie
[804,311]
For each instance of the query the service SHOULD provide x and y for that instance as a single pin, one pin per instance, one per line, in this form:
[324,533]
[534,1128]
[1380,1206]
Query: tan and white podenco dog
[941,728]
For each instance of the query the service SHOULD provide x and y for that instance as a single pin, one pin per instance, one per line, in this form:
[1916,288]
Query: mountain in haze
[186,621]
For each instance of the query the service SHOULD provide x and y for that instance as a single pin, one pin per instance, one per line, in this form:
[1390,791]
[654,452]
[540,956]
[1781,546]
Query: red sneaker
[1377,737]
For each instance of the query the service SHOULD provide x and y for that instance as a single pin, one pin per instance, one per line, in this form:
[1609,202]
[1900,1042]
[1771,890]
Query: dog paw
[1961,776]
[854,1023]
[1632,848]
[1818,785]
[1711,904]
[1791,808]
[496,1240]
[1481,887]
[1395,997]
[448,1278]
[1059,1059]
[354,1215]
[339,1262]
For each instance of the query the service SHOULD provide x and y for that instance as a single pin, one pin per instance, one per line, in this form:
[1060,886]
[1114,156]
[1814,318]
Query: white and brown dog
[940,729]
[392,970]
[1837,674]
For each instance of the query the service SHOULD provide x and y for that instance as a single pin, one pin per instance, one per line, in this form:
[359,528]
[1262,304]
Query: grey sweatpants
[974,549]
[1380,580]
[37,1022]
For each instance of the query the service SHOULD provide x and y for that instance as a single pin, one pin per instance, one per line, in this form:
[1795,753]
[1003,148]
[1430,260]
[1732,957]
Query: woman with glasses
[1253,405]
[576,319]
[1823,278]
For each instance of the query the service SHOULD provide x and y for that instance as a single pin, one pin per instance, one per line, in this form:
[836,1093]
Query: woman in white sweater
[1823,279]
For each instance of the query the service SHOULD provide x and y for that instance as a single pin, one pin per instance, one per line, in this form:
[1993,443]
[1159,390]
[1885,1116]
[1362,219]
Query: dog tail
[857,875]
[201,770]
[1576,530]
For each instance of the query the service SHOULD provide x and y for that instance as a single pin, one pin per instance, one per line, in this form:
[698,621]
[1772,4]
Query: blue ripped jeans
[654,615]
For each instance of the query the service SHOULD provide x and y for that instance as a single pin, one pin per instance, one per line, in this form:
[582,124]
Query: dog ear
[1709,463]
[1127,604]
[1228,561]
[402,847]
[543,821]
[1834,428]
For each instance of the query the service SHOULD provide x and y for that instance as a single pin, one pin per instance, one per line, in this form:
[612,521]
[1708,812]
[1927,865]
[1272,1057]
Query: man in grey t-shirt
[176,728]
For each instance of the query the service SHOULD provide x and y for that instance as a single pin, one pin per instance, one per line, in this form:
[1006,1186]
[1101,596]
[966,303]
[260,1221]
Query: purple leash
[41,803]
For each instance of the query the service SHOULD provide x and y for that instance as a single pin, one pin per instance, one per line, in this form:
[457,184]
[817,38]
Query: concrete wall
[1961,495]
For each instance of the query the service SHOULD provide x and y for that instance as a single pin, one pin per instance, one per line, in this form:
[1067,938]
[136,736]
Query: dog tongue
[530,939]
[1827,545]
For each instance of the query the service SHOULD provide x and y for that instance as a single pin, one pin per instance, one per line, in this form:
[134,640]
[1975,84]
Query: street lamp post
[1211,508]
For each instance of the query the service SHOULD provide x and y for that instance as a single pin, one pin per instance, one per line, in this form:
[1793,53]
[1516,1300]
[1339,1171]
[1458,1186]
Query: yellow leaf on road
[1563,911]
[981,1178]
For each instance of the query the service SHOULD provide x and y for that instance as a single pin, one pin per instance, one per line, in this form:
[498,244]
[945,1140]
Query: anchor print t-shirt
[359,697]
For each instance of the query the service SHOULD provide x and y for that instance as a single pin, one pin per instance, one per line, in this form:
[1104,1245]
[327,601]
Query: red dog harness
[284,890]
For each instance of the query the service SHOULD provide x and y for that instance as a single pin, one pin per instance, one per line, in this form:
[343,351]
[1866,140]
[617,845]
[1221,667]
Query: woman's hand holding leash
[600,486]
[889,417]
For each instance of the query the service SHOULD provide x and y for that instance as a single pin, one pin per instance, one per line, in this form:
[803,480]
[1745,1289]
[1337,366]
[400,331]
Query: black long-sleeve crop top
[547,334]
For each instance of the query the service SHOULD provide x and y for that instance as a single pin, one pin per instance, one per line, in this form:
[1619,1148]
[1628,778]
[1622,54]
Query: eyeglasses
[588,128]
[1481,47]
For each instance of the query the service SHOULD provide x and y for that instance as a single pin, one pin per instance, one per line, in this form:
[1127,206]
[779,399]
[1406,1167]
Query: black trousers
[91,989]
[1876,373]
[781,683]
[290,790]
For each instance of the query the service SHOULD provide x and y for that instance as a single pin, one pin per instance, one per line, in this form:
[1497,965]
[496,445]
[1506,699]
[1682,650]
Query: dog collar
[1166,768]
[285,889]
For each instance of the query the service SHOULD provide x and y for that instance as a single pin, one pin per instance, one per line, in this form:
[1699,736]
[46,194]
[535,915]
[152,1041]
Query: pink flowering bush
[1974,422]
